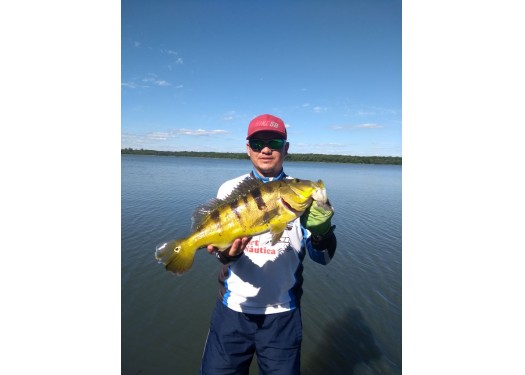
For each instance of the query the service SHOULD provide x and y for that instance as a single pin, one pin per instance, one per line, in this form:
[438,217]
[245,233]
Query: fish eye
[177,249]
[297,180]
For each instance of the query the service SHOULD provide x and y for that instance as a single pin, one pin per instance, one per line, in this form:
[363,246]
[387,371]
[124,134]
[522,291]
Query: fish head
[300,193]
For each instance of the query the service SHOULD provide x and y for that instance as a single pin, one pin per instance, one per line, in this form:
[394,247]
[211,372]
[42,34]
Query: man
[258,310]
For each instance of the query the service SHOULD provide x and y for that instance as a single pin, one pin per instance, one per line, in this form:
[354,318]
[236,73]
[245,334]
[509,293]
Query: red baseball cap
[267,123]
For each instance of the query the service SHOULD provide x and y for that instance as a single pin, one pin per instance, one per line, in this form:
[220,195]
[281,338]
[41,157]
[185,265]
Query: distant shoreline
[323,158]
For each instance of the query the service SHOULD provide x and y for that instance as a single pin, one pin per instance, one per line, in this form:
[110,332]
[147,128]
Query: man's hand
[237,247]
[317,218]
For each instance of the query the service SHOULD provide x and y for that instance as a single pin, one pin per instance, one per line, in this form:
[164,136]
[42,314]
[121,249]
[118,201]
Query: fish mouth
[320,195]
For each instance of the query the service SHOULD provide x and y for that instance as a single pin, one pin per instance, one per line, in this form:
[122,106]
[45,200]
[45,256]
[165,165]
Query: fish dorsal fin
[245,186]
[202,211]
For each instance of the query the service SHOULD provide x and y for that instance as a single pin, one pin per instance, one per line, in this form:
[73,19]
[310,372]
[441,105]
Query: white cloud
[377,111]
[358,126]
[158,136]
[331,144]
[169,52]
[149,79]
[368,126]
[320,148]
[178,60]
[129,85]
[363,112]
[199,132]
[161,82]
[230,116]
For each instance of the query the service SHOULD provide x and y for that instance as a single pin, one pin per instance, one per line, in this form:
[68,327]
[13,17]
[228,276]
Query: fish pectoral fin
[276,231]
[276,237]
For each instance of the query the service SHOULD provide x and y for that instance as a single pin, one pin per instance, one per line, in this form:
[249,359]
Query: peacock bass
[252,208]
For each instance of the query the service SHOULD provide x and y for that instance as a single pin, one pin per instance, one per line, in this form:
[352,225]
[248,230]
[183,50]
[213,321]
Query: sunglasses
[273,144]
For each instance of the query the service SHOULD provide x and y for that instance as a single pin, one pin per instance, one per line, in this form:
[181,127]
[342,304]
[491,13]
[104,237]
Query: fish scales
[237,219]
[252,208]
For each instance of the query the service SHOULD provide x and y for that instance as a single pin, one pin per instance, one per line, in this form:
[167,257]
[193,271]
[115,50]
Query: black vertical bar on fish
[267,216]
[256,194]
[215,216]
[233,206]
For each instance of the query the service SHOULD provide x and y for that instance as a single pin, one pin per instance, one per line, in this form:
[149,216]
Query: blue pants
[234,337]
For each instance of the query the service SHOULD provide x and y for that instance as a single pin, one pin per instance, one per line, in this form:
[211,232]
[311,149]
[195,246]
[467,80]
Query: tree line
[394,160]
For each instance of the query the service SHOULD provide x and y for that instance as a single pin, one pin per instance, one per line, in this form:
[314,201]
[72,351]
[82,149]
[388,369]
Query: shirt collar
[280,176]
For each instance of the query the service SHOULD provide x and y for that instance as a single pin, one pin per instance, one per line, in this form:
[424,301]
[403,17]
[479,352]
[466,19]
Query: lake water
[351,308]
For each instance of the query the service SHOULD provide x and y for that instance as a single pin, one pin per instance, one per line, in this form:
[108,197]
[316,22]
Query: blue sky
[194,73]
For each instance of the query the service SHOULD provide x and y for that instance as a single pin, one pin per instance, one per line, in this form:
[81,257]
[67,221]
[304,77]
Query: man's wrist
[319,237]
[320,229]
[224,258]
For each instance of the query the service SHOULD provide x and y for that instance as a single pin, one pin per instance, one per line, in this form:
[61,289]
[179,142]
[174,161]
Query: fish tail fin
[177,257]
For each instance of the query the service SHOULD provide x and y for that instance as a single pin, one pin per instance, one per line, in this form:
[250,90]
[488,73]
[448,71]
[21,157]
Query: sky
[194,73]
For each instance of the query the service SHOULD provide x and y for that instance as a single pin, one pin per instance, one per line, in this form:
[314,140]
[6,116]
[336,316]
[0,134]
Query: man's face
[267,162]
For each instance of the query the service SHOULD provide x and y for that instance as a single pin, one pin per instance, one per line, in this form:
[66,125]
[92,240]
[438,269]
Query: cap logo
[273,124]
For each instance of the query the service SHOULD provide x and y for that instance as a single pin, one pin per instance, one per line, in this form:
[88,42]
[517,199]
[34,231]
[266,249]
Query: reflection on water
[347,346]
[351,308]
